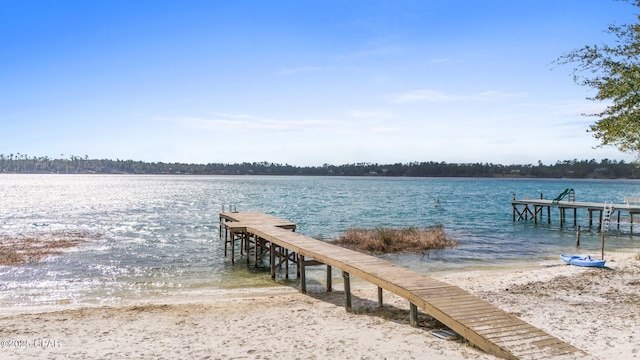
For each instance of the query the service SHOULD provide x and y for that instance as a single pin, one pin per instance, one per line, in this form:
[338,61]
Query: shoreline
[596,310]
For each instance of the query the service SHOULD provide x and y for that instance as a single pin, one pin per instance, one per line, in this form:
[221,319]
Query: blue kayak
[585,261]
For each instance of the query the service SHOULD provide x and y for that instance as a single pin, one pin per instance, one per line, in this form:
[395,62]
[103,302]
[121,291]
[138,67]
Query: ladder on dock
[606,216]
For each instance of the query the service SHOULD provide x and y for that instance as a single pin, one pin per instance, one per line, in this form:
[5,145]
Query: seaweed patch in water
[30,248]
[382,240]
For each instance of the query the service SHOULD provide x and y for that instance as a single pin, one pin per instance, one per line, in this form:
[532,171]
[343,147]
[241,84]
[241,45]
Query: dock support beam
[233,248]
[272,260]
[303,275]
[380,304]
[600,220]
[413,315]
[347,290]
[286,263]
[329,278]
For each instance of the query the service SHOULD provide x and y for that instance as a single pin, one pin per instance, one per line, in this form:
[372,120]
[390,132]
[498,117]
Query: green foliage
[22,163]
[614,72]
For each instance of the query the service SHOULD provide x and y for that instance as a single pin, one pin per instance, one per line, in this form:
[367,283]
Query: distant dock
[600,216]
[265,238]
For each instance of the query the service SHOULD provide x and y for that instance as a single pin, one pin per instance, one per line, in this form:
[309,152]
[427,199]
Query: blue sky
[300,82]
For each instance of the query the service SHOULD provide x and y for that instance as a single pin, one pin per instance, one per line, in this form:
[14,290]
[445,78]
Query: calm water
[159,234]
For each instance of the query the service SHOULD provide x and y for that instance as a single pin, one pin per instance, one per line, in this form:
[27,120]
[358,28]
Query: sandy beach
[596,310]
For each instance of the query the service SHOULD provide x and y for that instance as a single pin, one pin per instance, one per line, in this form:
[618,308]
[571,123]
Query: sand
[596,310]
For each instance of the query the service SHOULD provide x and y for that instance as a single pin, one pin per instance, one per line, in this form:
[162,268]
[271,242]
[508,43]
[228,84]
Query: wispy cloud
[386,130]
[579,107]
[428,95]
[584,124]
[422,95]
[249,122]
[300,69]
[495,95]
[368,114]
[564,109]
[373,52]
[439,61]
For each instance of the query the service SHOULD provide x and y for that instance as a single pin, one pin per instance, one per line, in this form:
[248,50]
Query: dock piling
[272,260]
[303,275]
[347,290]
[286,264]
[602,254]
[413,315]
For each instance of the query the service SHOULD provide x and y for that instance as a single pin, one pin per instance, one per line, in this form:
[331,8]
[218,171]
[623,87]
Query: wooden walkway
[483,324]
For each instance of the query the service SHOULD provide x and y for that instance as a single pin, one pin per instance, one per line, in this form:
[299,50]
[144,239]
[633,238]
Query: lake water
[159,234]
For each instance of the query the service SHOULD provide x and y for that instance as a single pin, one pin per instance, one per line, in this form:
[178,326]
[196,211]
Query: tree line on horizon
[605,169]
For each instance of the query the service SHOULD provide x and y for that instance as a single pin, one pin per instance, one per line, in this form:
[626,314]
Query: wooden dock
[534,209]
[260,236]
